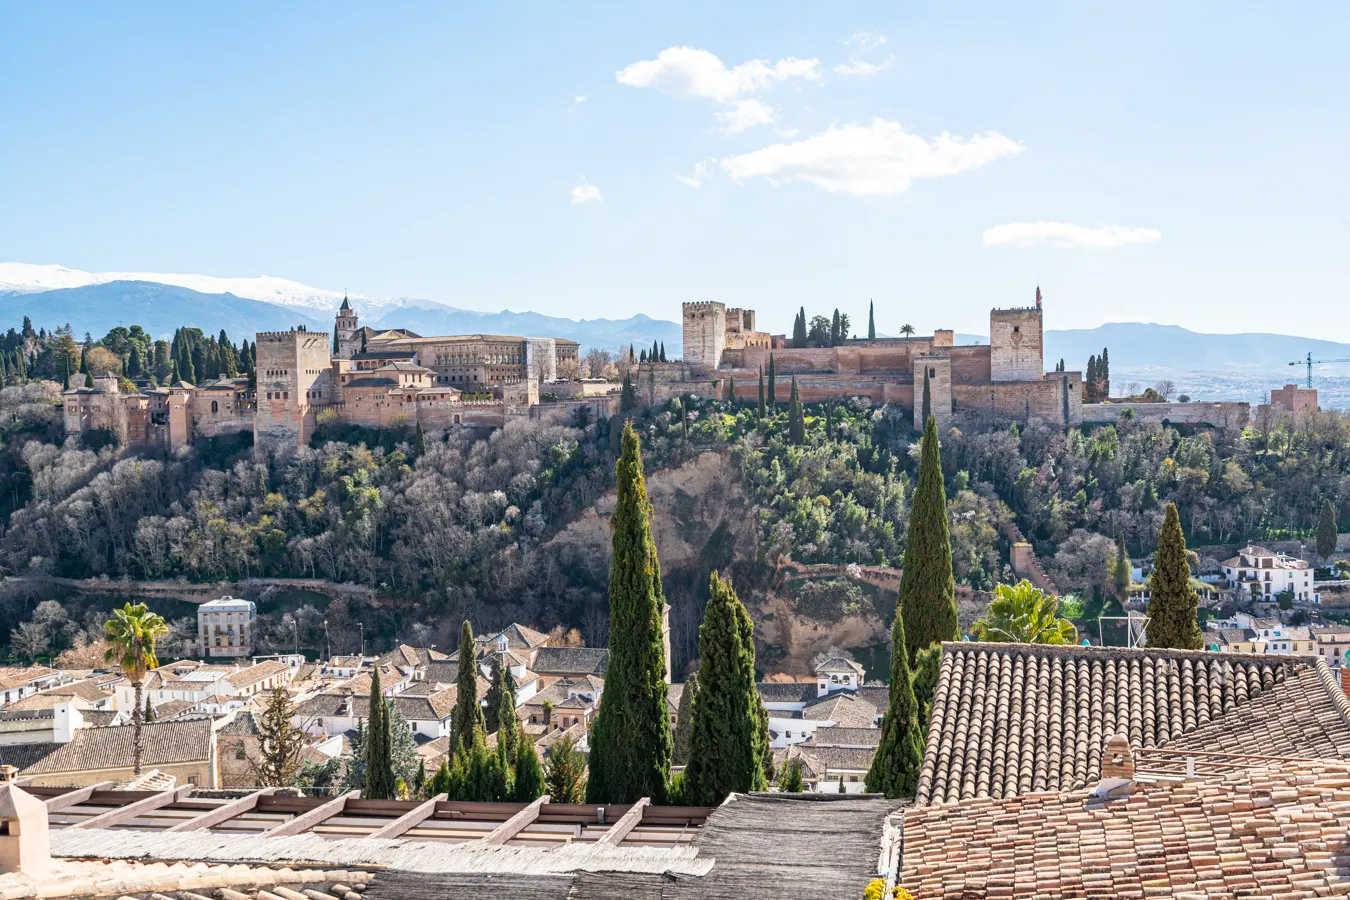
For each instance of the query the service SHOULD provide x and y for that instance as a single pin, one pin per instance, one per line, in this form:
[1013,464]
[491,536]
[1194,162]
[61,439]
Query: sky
[1183,163]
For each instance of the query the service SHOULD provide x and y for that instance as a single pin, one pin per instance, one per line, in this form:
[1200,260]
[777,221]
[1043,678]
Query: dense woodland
[455,526]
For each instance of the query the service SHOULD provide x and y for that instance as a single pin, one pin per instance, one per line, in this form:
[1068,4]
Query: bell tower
[347,325]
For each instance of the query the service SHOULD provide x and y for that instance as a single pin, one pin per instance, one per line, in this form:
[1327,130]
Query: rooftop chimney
[1117,769]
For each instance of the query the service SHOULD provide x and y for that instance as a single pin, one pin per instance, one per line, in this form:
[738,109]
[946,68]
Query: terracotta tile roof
[842,708]
[844,737]
[1253,833]
[255,674]
[570,660]
[1015,718]
[16,676]
[181,740]
[787,691]
[404,655]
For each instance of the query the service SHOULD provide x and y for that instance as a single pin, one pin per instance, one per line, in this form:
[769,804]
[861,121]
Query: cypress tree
[1326,531]
[492,702]
[684,719]
[871,322]
[419,440]
[630,739]
[796,418]
[1104,375]
[174,375]
[791,782]
[467,718]
[1173,602]
[731,390]
[663,352]
[508,726]
[65,379]
[927,408]
[642,355]
[1123,573]
[88,379]
[835,329]
[528,779]
[134,361]
[627,397]
[895,766]
[379,764]
[761,392]
[773,384]
[927,589]
[799,329]
[726,748]
[1092,378]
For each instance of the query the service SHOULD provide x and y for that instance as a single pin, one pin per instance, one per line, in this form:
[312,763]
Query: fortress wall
[1217,415]
[970,364]
[1043,399]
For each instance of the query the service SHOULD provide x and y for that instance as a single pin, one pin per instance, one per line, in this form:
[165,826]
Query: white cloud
[580,98]
[863,69]
[702,170]
[691,72]
[864,40]
[585,193]
[1065,234]
[875,159]
[747,113]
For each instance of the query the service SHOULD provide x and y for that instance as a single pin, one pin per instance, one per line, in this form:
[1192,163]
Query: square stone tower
[939,372]
[347,323]
[705,333]
[1015,345]
[293,381]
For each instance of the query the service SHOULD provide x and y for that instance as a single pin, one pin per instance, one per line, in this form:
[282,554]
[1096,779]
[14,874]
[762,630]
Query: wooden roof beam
[222,813]
[627,822]
[75,797]
[319,814]
[514,825]
[409,820]
[132,810]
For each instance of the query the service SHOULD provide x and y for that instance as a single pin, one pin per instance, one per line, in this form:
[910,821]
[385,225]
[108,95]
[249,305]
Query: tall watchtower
[1016,344]
[705,333]
[293,370]
[347,325]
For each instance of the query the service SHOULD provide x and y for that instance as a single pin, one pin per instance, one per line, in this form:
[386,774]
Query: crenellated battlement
[704,306]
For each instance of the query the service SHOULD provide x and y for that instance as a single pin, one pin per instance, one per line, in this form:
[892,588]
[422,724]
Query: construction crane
[1310,362]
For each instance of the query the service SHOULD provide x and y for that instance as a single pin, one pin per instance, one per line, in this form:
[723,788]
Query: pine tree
[895,766]
[726,748]
[761,392]
[927,406]
[565,771]
[799,329]
[1326,531]
[467,719]
[791,782]
[630,739]
[379,762]
[773,386]
[927,589]
[528,777]
[280,743]
[796,417]
[1173,602]
[871,322]
[684,720]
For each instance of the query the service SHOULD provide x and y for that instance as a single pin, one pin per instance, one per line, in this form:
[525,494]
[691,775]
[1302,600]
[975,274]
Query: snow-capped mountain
[26,278]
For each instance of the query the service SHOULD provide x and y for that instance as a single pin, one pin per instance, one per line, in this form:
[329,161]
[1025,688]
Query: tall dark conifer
[684,719]
[871,322]
[378,758]
[467,720]
[773,386]
[630,739]
[796,417]
[927,588]
[731,390]
[726,746]
[895,766]
[761,392]
[927,407]
[1092,379]
[1326,531]
[799,329]
[1172,601]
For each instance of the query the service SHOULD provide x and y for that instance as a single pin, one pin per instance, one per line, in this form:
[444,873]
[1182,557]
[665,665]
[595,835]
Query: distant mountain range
[54,295]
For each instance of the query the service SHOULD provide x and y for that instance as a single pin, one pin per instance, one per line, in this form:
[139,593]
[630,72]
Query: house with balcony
[1263,574]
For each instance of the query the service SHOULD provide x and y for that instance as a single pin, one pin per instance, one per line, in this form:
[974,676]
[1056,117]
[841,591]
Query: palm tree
[131,633]
[1024,614]
[907,329]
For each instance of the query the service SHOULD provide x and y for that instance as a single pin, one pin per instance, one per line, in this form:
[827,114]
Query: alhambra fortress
[396,377]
